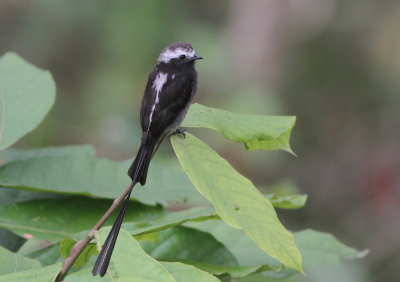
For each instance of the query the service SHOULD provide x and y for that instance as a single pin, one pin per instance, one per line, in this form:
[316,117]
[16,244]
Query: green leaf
[10,240]
[54,219]
[287,202]
[170,219]
[47,256]
[187,244]
[255,131]
[13,154]
[183,272]
[321,248]
[130,261]
[317,248]
[66,246]
[234,271]
[238,243]
[76,171]
[236,200]
[42,274]
[26,95]
[11,262]
[9,196]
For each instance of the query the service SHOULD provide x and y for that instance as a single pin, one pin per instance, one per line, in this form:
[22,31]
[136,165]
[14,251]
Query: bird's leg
[179,131]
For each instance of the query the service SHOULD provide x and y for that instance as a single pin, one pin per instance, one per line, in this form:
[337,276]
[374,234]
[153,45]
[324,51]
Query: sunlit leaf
[236,200]
[255,131]
[26,95]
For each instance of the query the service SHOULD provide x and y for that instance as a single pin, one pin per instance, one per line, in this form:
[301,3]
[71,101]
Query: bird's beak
[197,57]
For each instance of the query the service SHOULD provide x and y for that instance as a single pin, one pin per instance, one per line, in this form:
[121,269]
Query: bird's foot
[179,131]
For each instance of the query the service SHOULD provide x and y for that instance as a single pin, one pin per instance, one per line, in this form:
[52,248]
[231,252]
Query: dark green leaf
[180,244]
[26,95]
[54,219]
[256,132]
[10,240]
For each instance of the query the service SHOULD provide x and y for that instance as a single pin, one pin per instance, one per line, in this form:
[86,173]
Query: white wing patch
[158,84]
[167,55]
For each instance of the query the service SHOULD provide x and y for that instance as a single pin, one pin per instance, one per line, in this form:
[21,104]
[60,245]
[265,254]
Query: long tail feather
[103,260]
[138,173]
[139,167]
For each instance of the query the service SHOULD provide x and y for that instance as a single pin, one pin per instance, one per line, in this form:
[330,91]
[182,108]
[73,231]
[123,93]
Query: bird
[169,92]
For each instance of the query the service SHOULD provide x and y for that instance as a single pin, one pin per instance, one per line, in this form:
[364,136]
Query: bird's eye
[182,57]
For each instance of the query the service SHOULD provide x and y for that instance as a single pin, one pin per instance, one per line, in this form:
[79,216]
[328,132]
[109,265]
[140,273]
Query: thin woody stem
[80,245]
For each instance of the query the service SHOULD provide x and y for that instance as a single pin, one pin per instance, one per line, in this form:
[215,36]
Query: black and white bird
[169,92]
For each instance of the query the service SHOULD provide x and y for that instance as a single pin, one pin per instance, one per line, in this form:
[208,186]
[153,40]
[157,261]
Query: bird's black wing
[174,97]
[148,100]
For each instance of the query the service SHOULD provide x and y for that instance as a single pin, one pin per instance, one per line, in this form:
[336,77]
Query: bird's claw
[180,131]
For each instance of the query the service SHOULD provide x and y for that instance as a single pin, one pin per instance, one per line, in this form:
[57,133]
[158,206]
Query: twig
[79,246]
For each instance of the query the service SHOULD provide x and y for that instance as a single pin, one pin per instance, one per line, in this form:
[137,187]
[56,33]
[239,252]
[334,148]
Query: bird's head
[178,53]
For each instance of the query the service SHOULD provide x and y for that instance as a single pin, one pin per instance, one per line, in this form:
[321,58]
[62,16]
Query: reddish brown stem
[79,246]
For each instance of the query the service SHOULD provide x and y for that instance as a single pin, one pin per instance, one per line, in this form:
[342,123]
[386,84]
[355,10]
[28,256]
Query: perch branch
[80,245]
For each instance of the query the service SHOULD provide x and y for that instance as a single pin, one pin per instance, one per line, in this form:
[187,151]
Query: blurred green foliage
[334,64]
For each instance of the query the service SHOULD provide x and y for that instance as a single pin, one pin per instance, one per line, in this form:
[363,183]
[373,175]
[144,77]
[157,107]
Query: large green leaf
[182,243]
[74,170]
[255,131]
[54,219]
[13,154]
[26,95]
[42,274]
[317,248]
[130,261]
[236,200]
[11,262]
[238,243]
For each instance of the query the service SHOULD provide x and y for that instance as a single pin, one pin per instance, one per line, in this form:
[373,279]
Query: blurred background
[335,64]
